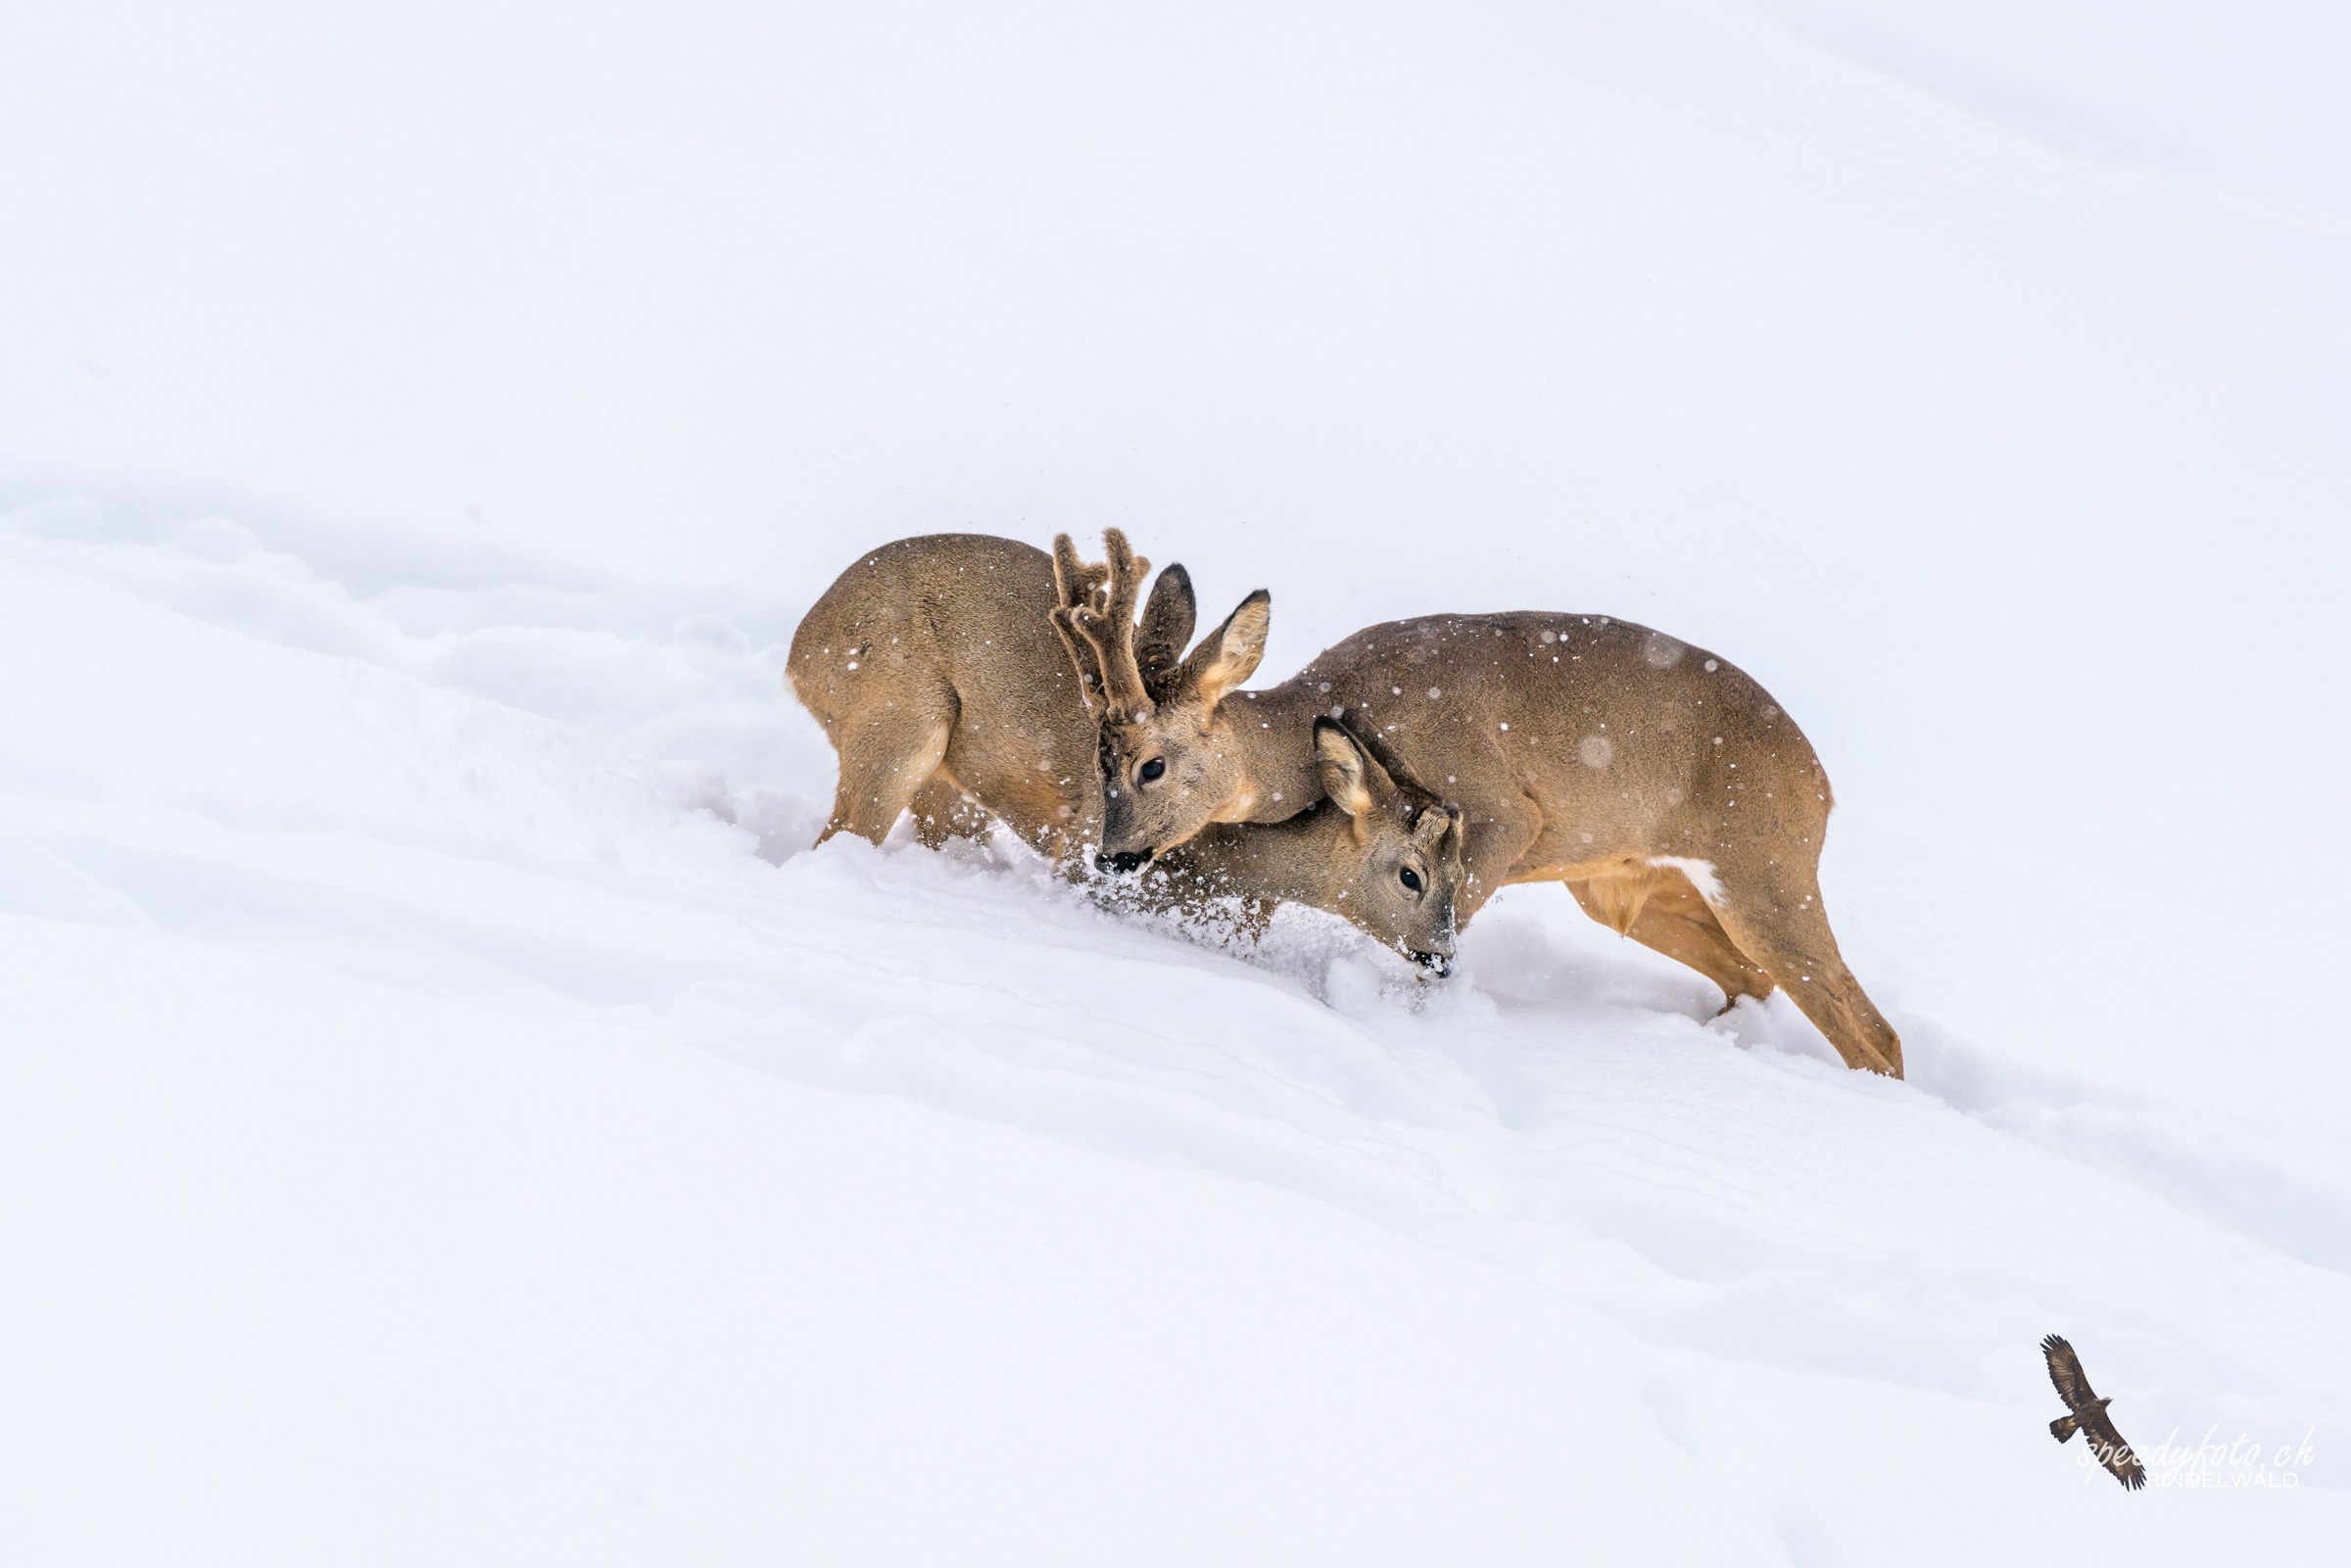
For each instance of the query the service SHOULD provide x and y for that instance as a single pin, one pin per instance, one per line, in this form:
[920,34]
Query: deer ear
[1351,775]
[1165,627]
[1229,655]
[1341,761]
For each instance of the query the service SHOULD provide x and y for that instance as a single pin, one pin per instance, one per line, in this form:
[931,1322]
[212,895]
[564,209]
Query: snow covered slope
[446,1113]
[443,1126]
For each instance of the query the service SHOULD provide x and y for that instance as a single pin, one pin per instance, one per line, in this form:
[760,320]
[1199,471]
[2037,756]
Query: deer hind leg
[1773,912]
[1664,913]
[943,811]
[885,760]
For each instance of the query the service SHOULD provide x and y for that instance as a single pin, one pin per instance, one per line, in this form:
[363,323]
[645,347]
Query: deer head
[1170,766]
[1385,855]
[1397,868]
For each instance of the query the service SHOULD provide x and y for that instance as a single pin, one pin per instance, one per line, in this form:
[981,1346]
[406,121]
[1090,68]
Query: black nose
[1436,963]
[1122,863]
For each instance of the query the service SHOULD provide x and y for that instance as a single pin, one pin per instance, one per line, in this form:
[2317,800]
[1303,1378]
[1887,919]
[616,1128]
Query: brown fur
[1583,749]
[905,661]
[934,667]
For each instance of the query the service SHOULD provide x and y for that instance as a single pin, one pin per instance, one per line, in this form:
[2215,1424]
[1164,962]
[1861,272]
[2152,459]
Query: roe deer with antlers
[936,671]
[1667,790]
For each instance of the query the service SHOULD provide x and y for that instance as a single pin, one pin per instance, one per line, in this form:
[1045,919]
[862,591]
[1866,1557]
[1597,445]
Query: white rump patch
[1700,871]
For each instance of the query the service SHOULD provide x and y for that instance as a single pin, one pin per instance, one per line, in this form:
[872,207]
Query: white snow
[446,1113]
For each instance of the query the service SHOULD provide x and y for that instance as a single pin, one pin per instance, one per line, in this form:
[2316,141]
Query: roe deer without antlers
[1667,790]
[937,675]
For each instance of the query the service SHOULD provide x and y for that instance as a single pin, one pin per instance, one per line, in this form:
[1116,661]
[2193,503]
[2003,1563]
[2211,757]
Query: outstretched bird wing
[2065,1370]
[2112,1451]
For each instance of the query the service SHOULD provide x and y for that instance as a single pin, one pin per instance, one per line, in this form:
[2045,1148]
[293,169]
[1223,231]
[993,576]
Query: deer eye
[1151,770]
[1410,878]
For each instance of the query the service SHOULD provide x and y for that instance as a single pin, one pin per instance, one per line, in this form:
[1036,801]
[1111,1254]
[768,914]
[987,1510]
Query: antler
[1076,585]
[1096,621]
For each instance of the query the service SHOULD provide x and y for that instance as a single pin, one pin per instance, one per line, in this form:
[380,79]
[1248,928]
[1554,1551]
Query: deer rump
[943,688]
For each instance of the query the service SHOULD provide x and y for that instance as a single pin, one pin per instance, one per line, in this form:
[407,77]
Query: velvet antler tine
[1077,592]
[1081,655]
[1076,582]
[1107,625]
[1126,573]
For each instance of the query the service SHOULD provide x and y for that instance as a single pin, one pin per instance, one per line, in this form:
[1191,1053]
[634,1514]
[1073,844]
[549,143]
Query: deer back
[1609,743]
[1574,742]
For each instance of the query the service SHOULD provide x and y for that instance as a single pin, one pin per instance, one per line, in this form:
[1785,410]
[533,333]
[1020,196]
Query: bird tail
[2064,1428]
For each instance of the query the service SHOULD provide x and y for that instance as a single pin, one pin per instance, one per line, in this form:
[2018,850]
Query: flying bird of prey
[2089,1416]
